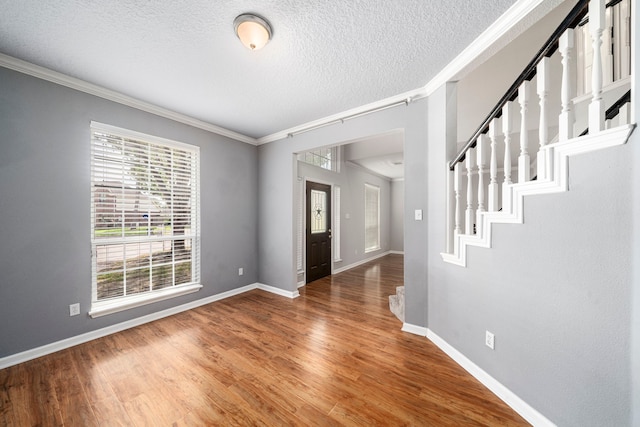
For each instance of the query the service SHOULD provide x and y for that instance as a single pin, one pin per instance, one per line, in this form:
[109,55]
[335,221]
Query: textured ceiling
[325,57]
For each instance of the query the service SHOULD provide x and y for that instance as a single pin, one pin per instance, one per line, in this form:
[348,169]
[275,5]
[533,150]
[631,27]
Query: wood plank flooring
[334,356]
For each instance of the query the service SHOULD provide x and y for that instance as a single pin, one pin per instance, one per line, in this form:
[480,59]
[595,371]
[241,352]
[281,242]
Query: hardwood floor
[334,356]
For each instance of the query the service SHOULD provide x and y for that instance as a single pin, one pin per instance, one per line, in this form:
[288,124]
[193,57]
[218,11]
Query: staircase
[396,303]
[591,111]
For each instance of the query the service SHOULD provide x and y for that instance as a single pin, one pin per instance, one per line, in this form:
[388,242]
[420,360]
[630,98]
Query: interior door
[318,231]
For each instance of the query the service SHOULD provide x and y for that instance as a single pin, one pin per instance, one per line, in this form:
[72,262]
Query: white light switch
[418,214]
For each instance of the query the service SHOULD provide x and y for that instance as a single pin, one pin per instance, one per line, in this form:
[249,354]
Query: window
[319,212]
[326,158]
[371,218]
[145,224]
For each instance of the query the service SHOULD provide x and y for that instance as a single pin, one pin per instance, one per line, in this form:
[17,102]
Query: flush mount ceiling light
[253,31]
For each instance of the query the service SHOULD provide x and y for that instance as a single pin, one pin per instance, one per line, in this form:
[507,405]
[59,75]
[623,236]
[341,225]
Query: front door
[318,231]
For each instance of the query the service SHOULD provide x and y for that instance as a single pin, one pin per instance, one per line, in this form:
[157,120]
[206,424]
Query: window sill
[366,251]
[99,309]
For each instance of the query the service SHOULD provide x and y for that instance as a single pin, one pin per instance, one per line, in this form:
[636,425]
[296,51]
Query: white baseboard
[414,329]
[356,264]
[507,396]
[34,353]
[397,252]
[278,291]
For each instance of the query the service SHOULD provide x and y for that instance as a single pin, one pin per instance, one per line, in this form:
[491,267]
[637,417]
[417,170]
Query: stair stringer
[513,213]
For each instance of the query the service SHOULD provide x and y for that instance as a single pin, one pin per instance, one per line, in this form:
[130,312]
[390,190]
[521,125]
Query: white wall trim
[24,67]
[498,29]
[356,264]
[507,396]
[415,329]
[34,353]
[414,95]
[397,252]
[354,165]
[103,308]
[278,291]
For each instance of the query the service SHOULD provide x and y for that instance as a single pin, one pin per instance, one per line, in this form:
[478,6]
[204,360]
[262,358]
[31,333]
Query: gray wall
[44,206]
[561,292]
[351,180]
[634,154]
[397,216]
[558,292]
[555,291]
[277,181]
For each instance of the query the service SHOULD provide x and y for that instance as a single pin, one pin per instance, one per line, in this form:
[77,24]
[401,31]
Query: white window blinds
[145,224]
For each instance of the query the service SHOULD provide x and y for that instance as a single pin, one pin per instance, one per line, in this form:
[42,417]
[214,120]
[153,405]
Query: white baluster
[507,124]
[481,161]
[456,189]
[543,84]
[493,166]
[566,120]
[470,213]
[524,161]
[596,27]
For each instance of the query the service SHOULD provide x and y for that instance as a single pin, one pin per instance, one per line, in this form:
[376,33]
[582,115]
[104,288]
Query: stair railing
[497,129]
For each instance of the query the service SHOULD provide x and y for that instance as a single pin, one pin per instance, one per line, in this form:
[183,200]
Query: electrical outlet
[489,340]
[240,271]
[74,309]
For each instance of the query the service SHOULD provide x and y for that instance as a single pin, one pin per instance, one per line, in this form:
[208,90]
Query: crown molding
[492,34]
[407,97]
[43,73]
[355,165]
[484,41]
